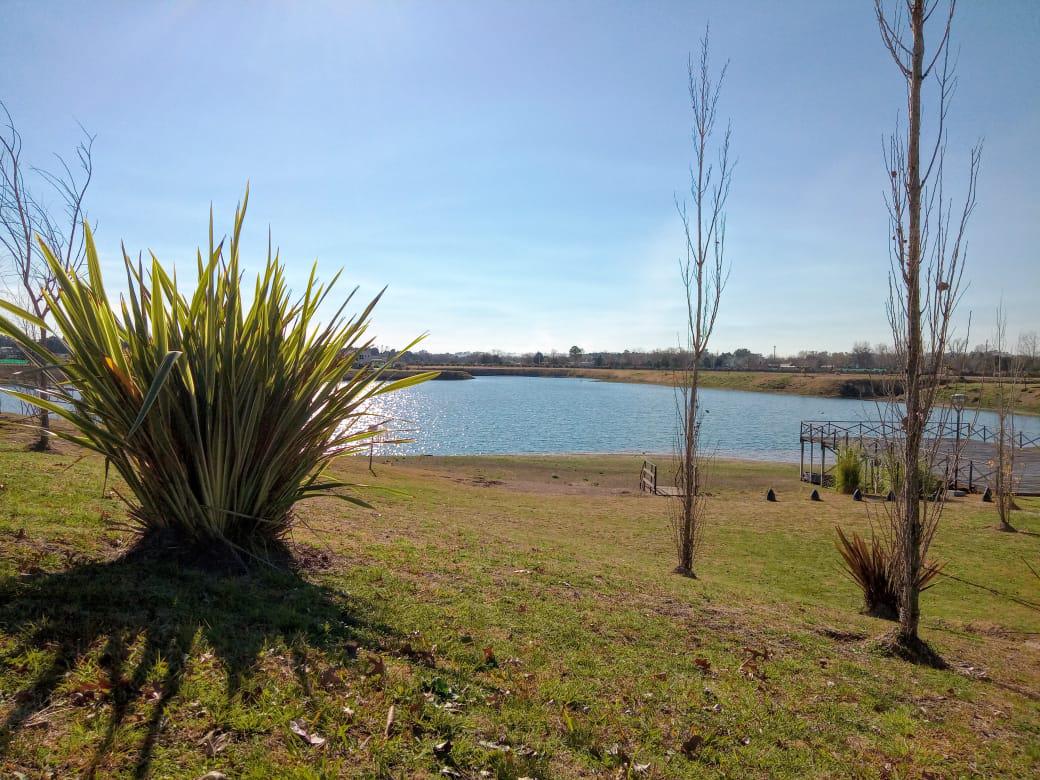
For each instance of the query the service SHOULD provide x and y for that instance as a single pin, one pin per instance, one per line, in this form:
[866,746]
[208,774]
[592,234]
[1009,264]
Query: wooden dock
[966,454]
[648,481]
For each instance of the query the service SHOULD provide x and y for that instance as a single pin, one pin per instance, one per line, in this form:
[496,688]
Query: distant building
[369,357]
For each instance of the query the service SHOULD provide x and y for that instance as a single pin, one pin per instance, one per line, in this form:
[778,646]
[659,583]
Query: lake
[539,415]
[511,415]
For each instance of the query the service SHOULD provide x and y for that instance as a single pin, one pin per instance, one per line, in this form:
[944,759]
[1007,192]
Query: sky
[509,169]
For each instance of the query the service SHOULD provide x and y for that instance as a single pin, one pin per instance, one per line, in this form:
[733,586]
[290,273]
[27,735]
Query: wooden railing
[648,477]
[840,433]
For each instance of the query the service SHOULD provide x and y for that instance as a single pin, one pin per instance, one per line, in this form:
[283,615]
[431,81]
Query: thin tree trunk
[42,385]
[703,278]
[910,552]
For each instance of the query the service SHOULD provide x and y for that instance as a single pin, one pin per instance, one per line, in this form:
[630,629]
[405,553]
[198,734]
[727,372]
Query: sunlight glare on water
[510,415]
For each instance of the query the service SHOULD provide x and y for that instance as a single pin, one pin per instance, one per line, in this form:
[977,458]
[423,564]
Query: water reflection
[506,415]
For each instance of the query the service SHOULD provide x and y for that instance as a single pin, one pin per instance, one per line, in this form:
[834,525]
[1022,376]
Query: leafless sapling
[25,217]
[927,249]
[1007,373]
[703,273]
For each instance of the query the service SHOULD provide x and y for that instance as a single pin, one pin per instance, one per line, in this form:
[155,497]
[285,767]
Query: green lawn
[518,616]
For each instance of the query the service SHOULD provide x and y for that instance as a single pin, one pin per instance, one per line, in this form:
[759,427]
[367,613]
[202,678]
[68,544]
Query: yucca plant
[219,411]
[871,567]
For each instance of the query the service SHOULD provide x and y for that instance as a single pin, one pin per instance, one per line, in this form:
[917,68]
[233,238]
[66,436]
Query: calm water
[541,415]
[509,415]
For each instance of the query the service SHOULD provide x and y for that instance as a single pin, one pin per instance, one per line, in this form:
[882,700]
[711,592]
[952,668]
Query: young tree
[927,255]
[703,275]
[862,355]
[1006,378]
[26,217]
[1029,349]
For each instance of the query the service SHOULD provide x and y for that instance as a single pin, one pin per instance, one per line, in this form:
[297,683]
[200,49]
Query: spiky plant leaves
[848,469]
[221,411]
[871,567]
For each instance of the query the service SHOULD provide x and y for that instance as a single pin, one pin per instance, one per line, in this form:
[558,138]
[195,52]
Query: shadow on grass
[150,600]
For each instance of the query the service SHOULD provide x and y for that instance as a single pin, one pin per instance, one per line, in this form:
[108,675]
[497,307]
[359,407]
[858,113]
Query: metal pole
[957,452]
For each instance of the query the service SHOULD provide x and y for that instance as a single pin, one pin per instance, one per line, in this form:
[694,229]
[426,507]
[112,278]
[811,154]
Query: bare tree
[26,218]
[1007,375]
[1029,350]
[703,275]
[927,264]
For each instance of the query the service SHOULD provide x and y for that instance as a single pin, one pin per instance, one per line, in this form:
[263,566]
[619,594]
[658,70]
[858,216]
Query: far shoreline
[851,386]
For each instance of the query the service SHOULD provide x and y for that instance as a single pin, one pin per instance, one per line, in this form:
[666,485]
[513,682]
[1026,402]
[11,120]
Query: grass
[984,394]
[517,614]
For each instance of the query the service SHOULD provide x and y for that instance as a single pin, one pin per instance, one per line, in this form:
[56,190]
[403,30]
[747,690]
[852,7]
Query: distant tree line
[980,360]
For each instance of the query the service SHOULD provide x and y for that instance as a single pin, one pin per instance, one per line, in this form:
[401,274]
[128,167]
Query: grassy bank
[517,617]
[829,385]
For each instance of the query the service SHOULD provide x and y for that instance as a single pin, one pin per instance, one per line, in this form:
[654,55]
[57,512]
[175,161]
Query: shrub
[220,414]
[871,567]
[848,469]
[894,470]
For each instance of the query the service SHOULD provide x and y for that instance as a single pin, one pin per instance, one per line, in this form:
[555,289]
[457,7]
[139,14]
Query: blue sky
[509,168]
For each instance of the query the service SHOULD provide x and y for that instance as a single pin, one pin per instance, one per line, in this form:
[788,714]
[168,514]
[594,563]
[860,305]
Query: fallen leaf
[489,656]
[749,669]
[314,740]
[692,744]
[703,664]
[329,678]
[423,656]
[489,745]
[441,749]
[214,742]
[376,666]
[391,719]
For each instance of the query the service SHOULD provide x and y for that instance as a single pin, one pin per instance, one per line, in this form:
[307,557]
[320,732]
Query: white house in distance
[370,357]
